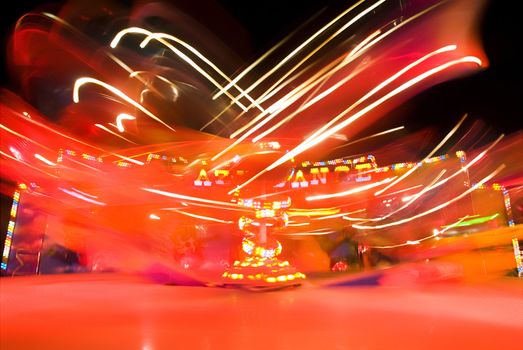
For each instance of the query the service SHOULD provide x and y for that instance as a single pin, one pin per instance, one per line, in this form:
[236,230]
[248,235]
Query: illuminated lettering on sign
[220,175]
[299,180]
[202,179]
[319,175]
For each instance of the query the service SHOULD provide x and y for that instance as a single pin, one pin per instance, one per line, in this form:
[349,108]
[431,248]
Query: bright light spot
[45,160]
[16,153]
[120,118]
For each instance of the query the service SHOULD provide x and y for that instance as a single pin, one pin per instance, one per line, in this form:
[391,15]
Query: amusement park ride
[223,210]
[261,216]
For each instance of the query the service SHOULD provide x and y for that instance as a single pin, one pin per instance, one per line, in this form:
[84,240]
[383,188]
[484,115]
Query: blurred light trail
[433,185]
[202,205]
[350,58]
[350,218]
[364,42]
[310,83]
[137,74]
[346,61]
[380,86]
[84,193]
[203,217]
[81,197]
[298,224]
[351,191]
[86,80]
[75,30]
[318,232]
[357,103]
[319,47]
[27,164]
[312,212]
[3,127]
[306,105]
[184,57]
[469,164]
[284,102]
[436,208]
[435,234]
[258,61]
[370,137]
[312,142]
[158,36]
[120,117]
[410,171]
[310,39]
[45,160]
[84,143]
[113,133]
[411,198]
[334,216]
[190,198]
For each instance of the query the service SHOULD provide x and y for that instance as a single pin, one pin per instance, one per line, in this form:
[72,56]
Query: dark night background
[494,95]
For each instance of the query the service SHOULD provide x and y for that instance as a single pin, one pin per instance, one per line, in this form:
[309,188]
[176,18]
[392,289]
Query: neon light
[517,256]
[202,179]
[10,230]
[477,221]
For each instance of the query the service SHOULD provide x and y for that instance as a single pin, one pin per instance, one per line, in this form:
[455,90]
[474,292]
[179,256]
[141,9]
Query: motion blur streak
[442,142]
[314,141]
[436,208]
[361,100]
[86,80]
[352,191]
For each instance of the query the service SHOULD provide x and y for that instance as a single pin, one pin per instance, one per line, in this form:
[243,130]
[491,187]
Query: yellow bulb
[282,278]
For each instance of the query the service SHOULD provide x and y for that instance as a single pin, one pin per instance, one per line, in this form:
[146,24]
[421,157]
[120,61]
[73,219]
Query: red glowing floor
[122,312]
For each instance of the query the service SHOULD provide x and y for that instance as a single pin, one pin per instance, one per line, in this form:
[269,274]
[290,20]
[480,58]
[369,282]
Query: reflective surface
[117,311]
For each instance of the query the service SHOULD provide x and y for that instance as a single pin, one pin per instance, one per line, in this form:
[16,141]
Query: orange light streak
[334,216]
[349,58]
[207,218]
[436,208]
[310,143]
[410,171]
[351,191]
[27,164]
[379,87]
[190,198]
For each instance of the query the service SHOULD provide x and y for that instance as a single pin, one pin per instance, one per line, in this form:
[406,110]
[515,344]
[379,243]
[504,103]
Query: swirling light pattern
[104,139]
